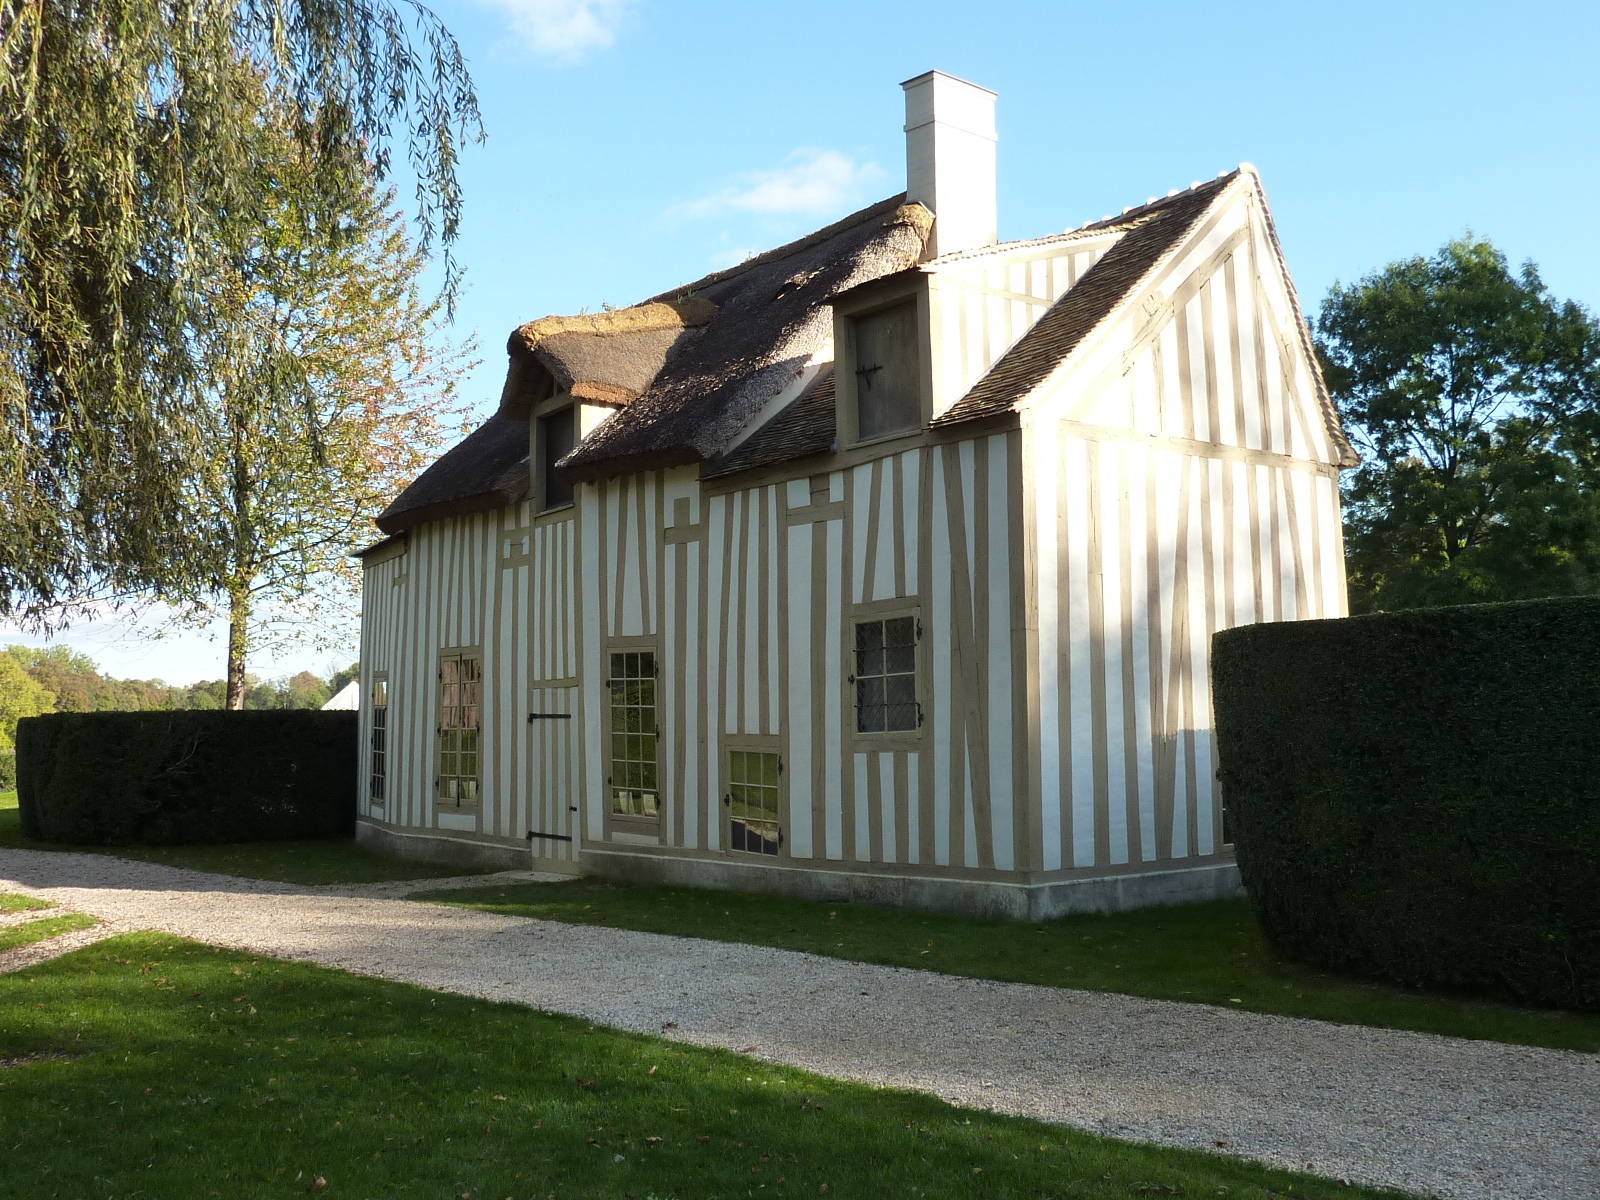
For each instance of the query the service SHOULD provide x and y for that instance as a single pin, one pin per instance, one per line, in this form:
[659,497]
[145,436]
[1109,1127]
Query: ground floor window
[378,788]
[753,801]
[886,676]
[634,788]
[460,709]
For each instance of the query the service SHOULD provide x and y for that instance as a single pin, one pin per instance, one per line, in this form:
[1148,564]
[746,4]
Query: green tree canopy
[78,686]
[21,695]
[129,140]
[1472,395]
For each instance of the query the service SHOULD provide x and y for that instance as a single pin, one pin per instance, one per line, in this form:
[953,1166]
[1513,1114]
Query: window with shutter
[558,434]
[888,393]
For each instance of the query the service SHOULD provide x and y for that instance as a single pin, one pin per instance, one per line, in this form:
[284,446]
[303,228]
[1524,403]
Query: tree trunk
[238,643]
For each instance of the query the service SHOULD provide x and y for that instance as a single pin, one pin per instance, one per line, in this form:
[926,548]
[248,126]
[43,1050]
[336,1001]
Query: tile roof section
[1152,231]
[772,319]
[806,428]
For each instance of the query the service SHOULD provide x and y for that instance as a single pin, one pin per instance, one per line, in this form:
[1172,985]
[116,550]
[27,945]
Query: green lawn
[280,862]
[149,1066]
[13,902]
[29,932]
[1209,953]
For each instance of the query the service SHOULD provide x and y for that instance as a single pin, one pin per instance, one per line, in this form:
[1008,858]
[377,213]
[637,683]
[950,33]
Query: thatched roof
[609,357]
[772,317]
[489,469]
[686,370]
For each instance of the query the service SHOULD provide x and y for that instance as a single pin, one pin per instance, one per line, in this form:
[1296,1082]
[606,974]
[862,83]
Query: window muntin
[558,434]
[460,695]
[753,801]
[886,676]
[888,398]
[634,787]
[378,787]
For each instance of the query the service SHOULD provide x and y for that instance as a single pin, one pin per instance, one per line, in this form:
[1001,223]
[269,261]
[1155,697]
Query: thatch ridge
[649,317]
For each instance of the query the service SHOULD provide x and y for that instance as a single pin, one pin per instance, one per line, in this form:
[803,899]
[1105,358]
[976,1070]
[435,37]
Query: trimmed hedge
[186,777]
[1415,796]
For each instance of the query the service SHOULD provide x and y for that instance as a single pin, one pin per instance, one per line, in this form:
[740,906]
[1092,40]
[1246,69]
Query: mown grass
[15,902]
[29,932]
[305,862]
[151,1066]
[1208,953]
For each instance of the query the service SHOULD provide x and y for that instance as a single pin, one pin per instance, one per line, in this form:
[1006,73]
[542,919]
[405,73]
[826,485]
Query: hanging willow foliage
[128,130]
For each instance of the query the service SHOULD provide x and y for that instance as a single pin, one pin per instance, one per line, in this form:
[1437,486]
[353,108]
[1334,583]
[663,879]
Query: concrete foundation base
[976,898]
[455,851]
[1015,900]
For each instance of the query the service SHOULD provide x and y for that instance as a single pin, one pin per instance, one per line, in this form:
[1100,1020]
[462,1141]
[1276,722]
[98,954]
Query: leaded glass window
[460,696]
[634,789]
[753,801]
[886,676]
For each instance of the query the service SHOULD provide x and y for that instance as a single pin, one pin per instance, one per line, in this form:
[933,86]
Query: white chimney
[950,139]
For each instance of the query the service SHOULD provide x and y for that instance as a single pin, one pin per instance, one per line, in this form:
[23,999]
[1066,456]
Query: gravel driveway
[1432,1115]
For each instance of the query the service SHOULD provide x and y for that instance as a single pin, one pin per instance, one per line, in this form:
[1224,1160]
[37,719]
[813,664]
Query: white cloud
[565,29]
[810,182]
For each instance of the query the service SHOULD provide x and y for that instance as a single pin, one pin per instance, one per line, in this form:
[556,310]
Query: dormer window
[886,367]
[556,436]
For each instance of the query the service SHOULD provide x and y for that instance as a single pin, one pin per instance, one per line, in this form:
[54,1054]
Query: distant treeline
[76,685]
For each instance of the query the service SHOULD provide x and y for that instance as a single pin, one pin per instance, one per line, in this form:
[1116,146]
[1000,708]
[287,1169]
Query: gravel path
[1432,1115]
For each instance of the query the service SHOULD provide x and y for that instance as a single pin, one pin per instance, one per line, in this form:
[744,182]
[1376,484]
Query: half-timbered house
[883,565]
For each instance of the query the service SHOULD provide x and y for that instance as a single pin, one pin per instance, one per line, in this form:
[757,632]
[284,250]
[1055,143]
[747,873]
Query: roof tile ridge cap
[1048,239]
[652,316]
[896,203]
[950,417]
[1137,213]
[1348,455]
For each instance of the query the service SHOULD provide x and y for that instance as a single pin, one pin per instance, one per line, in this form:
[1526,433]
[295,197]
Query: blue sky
[636,144]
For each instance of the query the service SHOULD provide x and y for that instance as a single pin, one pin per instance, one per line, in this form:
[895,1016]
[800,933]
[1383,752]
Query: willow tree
[127,184]
[329,383]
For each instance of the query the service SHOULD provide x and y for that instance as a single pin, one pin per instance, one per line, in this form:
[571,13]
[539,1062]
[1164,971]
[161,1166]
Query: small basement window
[634,786]
[558,434]
[888,397]
[753,801]
[886,676]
